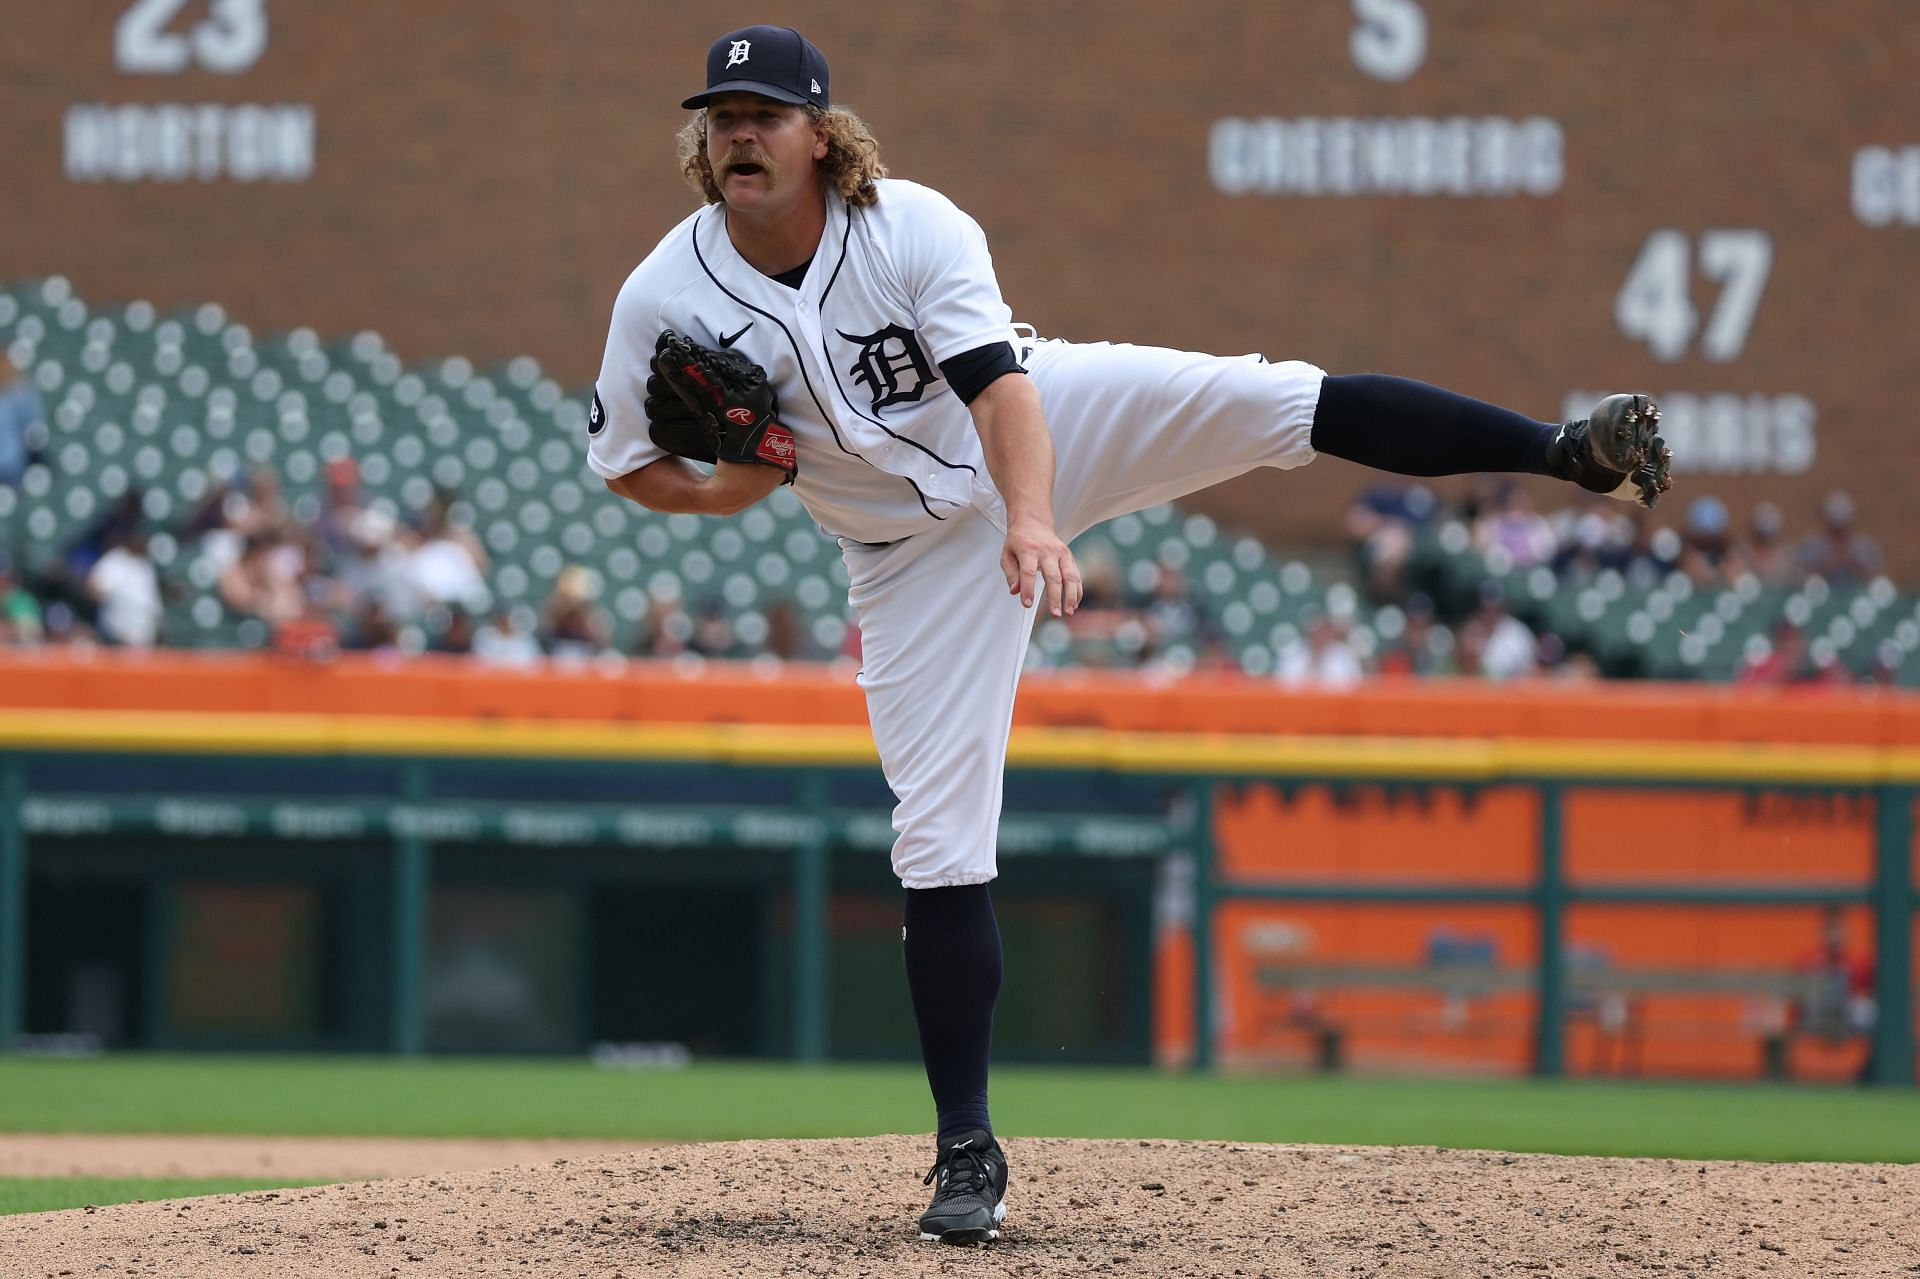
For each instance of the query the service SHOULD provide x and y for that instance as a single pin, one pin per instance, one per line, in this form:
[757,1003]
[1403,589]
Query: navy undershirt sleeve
[971,372]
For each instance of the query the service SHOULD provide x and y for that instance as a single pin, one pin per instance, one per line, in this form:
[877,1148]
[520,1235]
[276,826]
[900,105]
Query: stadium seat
[176,404]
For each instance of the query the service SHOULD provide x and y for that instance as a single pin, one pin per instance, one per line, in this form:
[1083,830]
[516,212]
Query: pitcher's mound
[1145,1208]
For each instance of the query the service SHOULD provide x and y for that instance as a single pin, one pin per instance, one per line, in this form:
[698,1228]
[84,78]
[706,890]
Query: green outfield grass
[50,1194]
[569,1098]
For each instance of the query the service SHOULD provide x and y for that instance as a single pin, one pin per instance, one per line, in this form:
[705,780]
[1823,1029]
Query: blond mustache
[734,159]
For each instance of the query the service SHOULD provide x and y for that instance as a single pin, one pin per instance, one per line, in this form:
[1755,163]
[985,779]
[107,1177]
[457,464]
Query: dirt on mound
[28,1154]
[1149,1208]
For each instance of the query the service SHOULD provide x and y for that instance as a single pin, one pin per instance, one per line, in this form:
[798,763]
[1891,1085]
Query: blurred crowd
[350,577]
[1389,523]
[335,571]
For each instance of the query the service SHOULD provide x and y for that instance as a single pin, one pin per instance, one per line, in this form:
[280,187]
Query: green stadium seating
[176,404]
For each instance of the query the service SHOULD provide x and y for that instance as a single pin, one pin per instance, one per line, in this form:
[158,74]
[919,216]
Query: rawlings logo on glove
[726,409]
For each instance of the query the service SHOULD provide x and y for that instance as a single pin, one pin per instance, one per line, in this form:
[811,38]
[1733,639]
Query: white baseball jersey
[885,446]
[889,460]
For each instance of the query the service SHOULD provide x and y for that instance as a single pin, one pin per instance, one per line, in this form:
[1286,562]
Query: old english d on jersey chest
[854,352]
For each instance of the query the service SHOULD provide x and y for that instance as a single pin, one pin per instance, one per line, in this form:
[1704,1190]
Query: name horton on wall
[173,142]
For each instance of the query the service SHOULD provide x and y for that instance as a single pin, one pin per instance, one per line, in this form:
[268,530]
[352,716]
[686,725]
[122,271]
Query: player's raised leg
[1412,428]
[1135,426]
[941,649]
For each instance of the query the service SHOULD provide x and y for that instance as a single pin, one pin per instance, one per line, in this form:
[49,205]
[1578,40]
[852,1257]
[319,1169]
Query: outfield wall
[1372,848]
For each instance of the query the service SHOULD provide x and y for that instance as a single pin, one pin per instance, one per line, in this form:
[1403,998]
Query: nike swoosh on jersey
[727,342]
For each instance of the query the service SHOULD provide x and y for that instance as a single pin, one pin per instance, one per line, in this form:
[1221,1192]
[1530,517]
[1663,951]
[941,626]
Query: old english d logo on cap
[775,62]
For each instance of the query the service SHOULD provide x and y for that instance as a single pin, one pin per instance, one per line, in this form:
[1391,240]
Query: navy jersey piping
[828,356]
[798,359]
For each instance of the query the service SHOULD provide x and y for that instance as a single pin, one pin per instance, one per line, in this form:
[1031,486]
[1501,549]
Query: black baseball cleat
[1618,439]
[969,1183]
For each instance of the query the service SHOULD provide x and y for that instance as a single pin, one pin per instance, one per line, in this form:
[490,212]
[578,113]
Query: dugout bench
[1611,997]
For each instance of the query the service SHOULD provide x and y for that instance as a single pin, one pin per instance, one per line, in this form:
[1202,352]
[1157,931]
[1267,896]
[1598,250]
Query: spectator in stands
[449,565]
[1509,523]
[1764,553]
[125,585]
[1171,613]
[1106,631]
[507,639]
[380,568]
[371,629]
[1567,664]
[572,624]
[1103,587]
[260,507]
[1423,647]
[22,415]
[786,632]
[1705,554]
[1493,642]
[1131,642]
[667,628]
[713,634]
[340,506]
[1384,522]
[1104,603]
[206,530]
[1595,534]
[1216,655]
[442,520]
[112,528]
[65,627]
[1653,554]
[313,635]
[453,633]
[21,625]
[1323,655]
[268,581]
[1839,552]
[1789,659]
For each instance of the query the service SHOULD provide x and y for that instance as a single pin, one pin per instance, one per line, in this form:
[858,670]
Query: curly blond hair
[851,165]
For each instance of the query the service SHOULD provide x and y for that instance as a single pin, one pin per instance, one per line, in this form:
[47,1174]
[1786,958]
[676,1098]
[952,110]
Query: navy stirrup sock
[952,945]
[1410,428]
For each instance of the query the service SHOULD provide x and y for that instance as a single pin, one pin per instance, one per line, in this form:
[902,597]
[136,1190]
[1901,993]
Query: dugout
[459,905]
[719,867]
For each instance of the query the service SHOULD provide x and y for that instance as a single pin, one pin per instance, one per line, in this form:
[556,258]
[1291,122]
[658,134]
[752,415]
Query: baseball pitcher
[819,324]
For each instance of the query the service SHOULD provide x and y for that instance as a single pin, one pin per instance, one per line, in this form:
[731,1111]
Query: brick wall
[485,172]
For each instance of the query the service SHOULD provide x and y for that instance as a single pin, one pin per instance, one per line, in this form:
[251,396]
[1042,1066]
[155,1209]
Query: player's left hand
[1033,554]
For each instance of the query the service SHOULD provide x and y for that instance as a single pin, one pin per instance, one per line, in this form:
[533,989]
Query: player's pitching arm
[674,486]
[1019,450]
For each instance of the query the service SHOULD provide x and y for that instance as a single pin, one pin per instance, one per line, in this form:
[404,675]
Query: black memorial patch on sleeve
[971,372]
[597,415]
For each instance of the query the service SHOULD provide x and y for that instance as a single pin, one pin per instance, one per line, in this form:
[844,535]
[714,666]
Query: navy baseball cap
[777,62]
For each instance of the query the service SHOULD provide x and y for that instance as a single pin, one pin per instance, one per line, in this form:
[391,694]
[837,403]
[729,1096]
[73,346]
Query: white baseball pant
[942,642]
